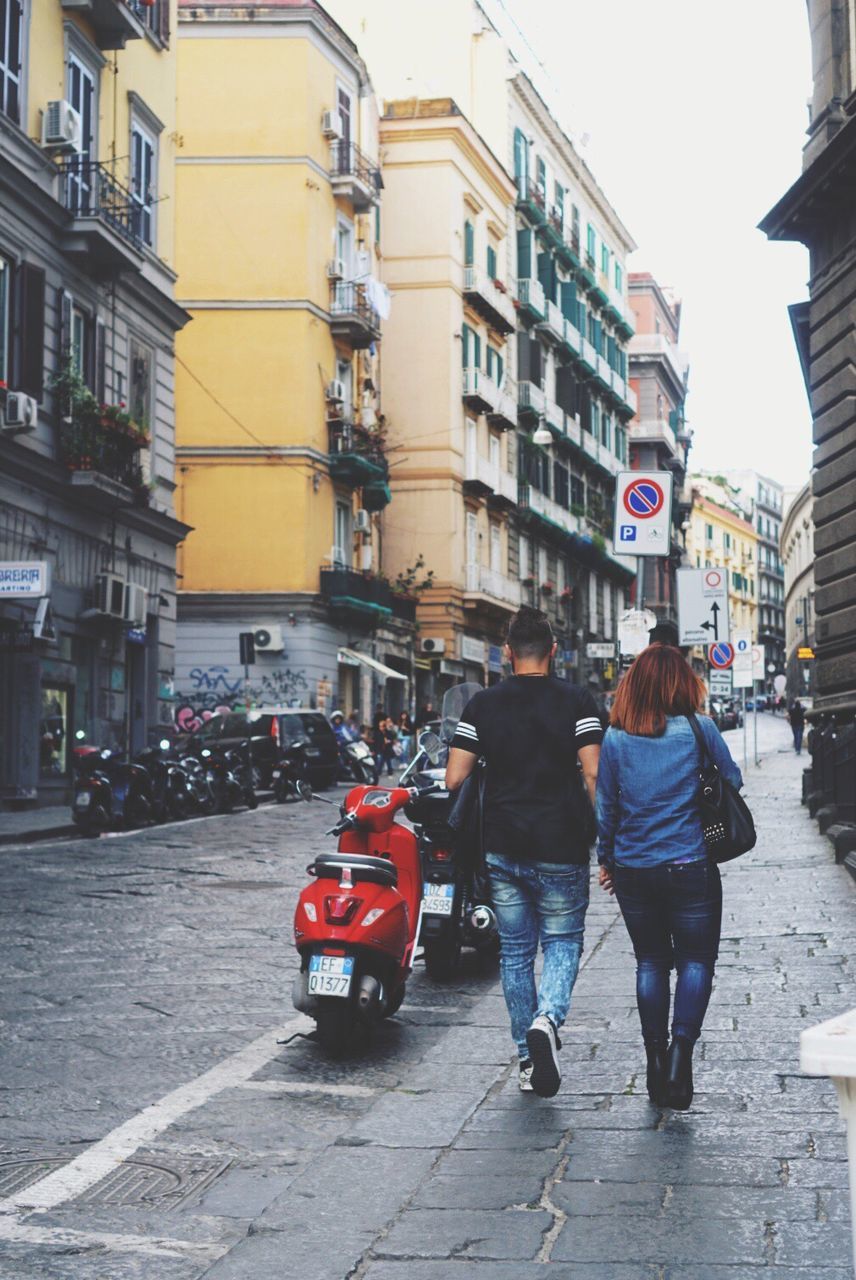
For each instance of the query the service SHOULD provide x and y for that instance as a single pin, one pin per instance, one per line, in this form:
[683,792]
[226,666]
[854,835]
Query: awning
[351,657]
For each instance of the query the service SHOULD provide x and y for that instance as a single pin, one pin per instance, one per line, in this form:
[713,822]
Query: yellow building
[281,435]
[720,537]
[453,411]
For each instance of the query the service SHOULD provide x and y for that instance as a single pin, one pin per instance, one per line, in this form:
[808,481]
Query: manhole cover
[146,1179]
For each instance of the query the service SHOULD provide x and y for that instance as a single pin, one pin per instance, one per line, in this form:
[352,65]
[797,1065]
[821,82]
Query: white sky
[696,116]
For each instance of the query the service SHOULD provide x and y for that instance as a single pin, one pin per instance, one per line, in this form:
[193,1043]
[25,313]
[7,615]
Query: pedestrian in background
[405,736]
[537,734]
[426,714]
[796,719]
[653,856]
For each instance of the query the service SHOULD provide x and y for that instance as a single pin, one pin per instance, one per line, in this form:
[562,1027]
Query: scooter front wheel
[335,1022]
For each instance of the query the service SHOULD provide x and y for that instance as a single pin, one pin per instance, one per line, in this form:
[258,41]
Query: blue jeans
[797,731]
[673,914]
[535,901]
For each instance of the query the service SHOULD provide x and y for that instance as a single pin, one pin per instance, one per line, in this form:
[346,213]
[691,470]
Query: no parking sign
[643,512]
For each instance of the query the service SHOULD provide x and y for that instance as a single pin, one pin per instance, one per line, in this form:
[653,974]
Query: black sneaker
[544,1048]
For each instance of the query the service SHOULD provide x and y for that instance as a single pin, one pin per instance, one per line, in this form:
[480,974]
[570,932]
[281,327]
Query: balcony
[554,416]
[571,338]
[546,512]
[631,404]
[353,176]
[530,200]
[489,300]
[657,347]
[356,594]
[480,391]
[352,317]
[552,231]
[487,586]
[587,270]
[101,452]
[587,356]
[653,431]
[403,606]
[504,412]
[355,456]
[485,478]
[105,220]
[553,324]
[603,373]
[569,250]
[530,299]
[113,22]
[530,400]
[600,289]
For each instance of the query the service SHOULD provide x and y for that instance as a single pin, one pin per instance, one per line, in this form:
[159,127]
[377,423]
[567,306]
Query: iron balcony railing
[89,190]
[348,161]
[350,299]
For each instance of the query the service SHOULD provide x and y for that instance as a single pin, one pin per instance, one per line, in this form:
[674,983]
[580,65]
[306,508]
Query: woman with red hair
[652,856]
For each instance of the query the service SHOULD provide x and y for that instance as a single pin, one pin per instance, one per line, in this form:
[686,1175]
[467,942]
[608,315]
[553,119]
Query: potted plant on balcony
[547,588]
[499,284]
[528,581]
[566,595]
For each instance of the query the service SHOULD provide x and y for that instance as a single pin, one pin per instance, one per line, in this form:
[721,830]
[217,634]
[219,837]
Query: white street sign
[719,683]
[643,512]
[598,650]
[702,605]
[633,628]
[759,662]
[22,579]
[742,666]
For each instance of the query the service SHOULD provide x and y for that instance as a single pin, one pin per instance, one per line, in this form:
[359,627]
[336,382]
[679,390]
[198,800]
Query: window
[606,431]
[345,246]
[491,262]
[82,94]
[493,450]
[495,366]
[143,182]
[470,347]
[80,340]
[578,492]
[472,536]
[154,14]
[342,536]
[469,243]
[542,564]
[591,242]
[541,175]
[140,383]
[708,532]
[11,40]
[575,222]
[495,549]
[523,557]
[619,277]
[345,374]
[604,259]
[344,103]
[521,158]
[559,201]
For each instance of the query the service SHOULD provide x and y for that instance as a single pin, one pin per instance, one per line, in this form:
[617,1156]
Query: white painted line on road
[107,1154]
[300,1086]
[16,1232]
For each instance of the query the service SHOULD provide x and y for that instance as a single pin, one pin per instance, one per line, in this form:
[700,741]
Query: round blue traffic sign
[643,498]
[721,655]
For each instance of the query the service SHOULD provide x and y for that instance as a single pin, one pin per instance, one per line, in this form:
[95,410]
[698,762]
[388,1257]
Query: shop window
[53,732]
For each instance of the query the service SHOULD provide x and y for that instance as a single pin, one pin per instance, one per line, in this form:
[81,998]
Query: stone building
[797,551]
[87,321]
[819,211]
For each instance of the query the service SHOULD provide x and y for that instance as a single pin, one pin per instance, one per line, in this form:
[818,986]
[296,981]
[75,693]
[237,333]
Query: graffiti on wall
[219,689]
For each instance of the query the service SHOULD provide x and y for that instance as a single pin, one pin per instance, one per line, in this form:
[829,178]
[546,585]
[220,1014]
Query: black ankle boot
[656,1053]
[679,1074]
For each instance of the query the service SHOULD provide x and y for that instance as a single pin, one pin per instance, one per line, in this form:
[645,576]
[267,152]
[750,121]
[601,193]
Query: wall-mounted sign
[472,650]
[24,579]
[596,649]
[643,512]
[494,658]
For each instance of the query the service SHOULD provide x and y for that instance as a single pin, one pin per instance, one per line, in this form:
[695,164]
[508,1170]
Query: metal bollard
[829,1049]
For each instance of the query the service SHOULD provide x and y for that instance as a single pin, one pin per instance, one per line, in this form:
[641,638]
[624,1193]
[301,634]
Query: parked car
[271,730]
[725,714]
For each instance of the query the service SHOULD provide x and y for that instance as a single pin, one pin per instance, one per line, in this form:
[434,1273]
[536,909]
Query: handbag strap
[706,757]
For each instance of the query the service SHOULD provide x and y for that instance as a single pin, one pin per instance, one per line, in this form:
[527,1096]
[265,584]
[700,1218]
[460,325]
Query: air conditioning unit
[22,412]
[331,124]
[362,521]
[366,557]
[61,127]
[110,595]
[434,645]
[336,269]
[135,604]
[335,391]
[268,640]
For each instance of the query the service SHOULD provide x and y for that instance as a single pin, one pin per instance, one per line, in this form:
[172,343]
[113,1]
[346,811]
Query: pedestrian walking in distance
[653,857]
[796,719]
[537,735]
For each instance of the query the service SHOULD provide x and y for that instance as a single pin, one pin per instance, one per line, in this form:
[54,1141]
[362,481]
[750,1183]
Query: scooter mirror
[304,790]
[431,745]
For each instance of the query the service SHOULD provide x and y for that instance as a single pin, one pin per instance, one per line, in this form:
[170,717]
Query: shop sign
[600,650]
[24,579]
[449,667]
[136,635]
[570,657]
[472,650]
[494,657]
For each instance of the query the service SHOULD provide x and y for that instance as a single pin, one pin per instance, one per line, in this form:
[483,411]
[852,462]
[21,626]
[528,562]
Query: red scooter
[357,921]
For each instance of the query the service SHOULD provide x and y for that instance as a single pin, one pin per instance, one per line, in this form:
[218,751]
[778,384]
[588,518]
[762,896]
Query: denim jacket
[647,792]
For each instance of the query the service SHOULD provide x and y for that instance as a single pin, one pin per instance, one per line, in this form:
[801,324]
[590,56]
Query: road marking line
[107,1154]
[16,1232]
[300,1086]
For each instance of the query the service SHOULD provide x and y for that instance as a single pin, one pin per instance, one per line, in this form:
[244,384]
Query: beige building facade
[720,537]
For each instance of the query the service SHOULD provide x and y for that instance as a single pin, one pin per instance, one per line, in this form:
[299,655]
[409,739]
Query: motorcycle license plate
[312,752]
[330,975]
[437,899]
[82,800]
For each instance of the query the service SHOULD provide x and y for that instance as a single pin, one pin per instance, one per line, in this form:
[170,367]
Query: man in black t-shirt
[532,730]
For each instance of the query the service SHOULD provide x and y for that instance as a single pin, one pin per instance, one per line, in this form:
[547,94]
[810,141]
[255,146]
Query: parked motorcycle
[173,795]
[228,772]
[456,906]
[110,791]
[289,772]
[357,762]
[357,921]
[201,783]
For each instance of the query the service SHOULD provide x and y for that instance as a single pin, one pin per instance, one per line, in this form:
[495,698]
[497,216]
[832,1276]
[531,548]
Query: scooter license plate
[82,800]
[437,899]
[312,752]
[330,975]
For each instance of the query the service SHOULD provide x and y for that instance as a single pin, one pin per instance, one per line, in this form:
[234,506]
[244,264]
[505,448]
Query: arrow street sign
[643,512]
[721,655]
[702,605]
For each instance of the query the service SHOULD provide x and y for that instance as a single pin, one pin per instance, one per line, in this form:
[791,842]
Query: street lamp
[542,436]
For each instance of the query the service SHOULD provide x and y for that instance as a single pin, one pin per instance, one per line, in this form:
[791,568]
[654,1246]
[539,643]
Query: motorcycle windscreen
[454,703]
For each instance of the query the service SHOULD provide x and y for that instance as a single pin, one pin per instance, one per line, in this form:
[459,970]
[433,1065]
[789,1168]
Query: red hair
[660,683]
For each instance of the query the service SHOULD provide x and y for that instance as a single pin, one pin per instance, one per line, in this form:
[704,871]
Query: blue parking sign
[627,533]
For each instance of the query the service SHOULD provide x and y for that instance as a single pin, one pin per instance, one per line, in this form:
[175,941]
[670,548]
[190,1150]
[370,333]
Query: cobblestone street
[149,977]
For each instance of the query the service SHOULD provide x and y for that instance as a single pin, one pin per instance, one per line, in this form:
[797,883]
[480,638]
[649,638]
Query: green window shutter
[591,242]
[569,300]
[546,272]
[491,261]
[465,345]
[500,368]
[477,364]
[619,277]
[541,173]
[524,253]
[521,156]
[469,244]
[604,259]
[491,361]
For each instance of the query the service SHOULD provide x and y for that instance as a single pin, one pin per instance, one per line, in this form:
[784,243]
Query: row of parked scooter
[166,783]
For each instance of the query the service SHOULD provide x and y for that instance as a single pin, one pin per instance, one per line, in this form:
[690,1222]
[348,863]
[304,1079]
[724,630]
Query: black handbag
[726,822]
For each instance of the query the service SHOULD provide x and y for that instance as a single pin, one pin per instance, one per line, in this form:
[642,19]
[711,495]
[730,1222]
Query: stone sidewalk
[598,1184]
